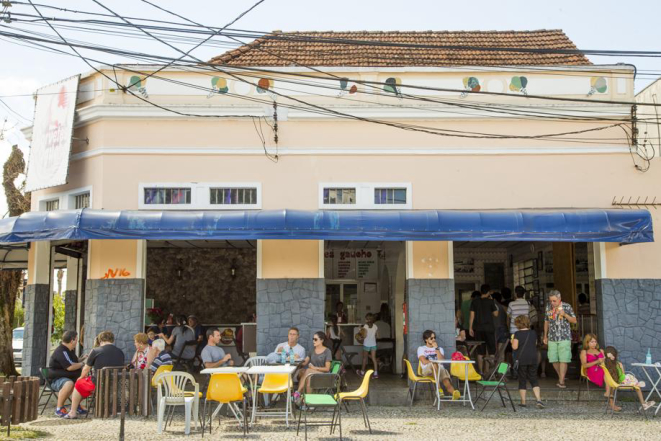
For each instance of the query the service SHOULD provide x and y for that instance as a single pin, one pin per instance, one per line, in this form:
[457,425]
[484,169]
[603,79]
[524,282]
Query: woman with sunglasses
[431,351]
[319,361]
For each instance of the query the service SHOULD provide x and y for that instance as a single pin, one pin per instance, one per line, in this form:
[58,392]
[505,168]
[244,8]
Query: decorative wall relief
[518,84]
[218,86]
[265,85]
[471,84]
[138,84]
[346,88]
[598,85]
[392,85]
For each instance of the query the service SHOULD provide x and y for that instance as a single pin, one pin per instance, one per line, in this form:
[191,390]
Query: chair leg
[306,425]
[300,415]
[339,422]
[367,418]
[490,396]
[245,419]
[580,381]
[415,385]
[161,412]
[510,398]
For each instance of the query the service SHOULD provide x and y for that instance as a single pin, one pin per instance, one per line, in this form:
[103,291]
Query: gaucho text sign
[51,135]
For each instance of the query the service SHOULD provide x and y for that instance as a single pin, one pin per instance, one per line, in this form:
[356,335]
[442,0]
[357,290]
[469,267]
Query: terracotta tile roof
[431,48]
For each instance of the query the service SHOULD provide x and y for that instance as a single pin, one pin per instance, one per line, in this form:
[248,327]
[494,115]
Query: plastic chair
[172,392]
[226,389]
[359,395]
[259,360]
[615,387]
[415,379]
[497,385]
[320,401]
[276,384]
[581,379]
[161,369]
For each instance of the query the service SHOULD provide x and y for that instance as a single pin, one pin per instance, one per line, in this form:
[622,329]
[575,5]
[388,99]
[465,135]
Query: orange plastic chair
[226,389]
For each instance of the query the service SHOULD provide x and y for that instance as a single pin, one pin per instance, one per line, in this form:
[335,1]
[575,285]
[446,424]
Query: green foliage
[58,317]
[19,315]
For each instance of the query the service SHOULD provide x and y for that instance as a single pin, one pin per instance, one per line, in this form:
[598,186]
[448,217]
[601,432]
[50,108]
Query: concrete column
[71,295]
[115,291]
[430,295]
[37,304]
[290,291]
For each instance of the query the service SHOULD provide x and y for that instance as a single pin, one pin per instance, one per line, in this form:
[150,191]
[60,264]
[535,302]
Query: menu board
[352,264]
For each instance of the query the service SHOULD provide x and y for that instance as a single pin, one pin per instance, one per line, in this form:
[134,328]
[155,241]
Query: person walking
[557,334]
[524,345]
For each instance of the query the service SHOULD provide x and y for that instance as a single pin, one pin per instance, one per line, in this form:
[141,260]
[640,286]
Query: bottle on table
[292,358]
[648,358]
[283,356]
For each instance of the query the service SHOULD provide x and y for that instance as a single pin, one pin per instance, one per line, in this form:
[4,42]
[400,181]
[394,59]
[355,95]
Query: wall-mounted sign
[352,264]
[51,135]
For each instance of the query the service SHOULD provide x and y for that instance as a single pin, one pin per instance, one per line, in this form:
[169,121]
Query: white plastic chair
[172,392]
[259,360]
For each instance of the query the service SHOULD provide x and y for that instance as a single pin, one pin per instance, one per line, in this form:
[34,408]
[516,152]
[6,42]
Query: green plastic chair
[315,401]
[496,385]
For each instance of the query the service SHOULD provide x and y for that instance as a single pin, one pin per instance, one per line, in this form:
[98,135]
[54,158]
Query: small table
[223,370]
[262,370]
[647,368]
[466,397]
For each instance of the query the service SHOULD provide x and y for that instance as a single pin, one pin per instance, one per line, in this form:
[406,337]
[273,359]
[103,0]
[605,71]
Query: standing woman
[524,345]
[180,335]
[334,334]
[318,362]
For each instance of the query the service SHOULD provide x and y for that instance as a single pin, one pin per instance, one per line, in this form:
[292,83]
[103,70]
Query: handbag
[515,366]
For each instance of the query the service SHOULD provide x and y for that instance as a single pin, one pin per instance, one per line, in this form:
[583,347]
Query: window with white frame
[233,196]
[52,205]
[339,196]
[390,196]
[365,195]
[167,196]
[81,201]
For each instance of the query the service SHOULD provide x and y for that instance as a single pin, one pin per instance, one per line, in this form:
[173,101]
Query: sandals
[69,417]
[562,386]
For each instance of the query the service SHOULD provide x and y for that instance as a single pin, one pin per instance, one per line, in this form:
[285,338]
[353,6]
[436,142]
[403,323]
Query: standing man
[518,307]
[63,369]
[213,356]
[557,334]
[483,310]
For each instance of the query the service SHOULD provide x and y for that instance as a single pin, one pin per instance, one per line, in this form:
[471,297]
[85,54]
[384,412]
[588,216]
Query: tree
[10,280]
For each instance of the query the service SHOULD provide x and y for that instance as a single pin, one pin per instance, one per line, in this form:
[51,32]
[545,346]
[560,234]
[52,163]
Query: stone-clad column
[37,302]
[290,291]
[430,295]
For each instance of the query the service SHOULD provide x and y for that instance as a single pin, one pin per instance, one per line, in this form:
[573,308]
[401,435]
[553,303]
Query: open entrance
[213,280]
[366,277]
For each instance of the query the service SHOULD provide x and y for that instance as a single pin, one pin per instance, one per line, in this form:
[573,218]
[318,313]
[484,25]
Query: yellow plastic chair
[459,371]
[162,368]
[226,389]
[583,379]
[415,379]
[615,387]
[276,384]
[359,394]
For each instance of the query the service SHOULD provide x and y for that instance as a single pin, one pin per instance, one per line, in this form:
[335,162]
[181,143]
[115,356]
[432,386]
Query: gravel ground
[568,420]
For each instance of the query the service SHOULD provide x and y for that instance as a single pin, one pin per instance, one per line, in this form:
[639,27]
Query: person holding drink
[557,334]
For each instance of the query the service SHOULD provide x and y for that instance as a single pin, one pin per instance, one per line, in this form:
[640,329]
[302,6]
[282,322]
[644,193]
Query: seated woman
[592,358]
[319,361]
[616,371]
[141,342]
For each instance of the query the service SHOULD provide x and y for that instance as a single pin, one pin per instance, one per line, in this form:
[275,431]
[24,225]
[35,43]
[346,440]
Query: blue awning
[626,226]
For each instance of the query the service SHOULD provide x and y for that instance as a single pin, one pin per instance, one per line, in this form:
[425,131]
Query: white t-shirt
[429,353]
[299,351]
[370,338]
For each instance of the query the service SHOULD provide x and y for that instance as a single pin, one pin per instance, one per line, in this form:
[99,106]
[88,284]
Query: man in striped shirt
[518,307]
[158,356]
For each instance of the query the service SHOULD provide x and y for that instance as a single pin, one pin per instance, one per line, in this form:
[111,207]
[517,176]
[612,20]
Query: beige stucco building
[370,130]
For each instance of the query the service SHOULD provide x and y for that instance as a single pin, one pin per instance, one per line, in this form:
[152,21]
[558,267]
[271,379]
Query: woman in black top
[524,344]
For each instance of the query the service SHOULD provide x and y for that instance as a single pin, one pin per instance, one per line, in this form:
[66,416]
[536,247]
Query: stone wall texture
[70,303]
[206,287]
[282,303]
[430,306]
[629,318]
[115,305]
[35,336]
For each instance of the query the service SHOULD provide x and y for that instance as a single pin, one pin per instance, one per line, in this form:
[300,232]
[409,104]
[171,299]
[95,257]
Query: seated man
[63,369]
[290,344]
[431,351]
[158,356]
[213,356]
[106,355]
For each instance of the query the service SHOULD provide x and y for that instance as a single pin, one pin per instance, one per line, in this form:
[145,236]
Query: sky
[604,24]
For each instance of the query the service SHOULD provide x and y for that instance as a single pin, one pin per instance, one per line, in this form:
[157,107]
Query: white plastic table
[647,368]
[224,370]
[466,396]
[262,370]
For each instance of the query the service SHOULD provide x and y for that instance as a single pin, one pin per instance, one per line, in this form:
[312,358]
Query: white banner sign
[51,135]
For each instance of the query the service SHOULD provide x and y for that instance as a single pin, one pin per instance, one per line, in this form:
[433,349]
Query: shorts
[59,383]
[427,370]
[527,373]
[559,351]
[369,348]
[489,339]
[85,386]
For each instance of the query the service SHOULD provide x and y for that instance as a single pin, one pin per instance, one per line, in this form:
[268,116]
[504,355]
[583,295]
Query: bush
[58,318]
[19,315]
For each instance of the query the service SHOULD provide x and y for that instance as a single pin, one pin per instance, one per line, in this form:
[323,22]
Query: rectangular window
[82,201]
[390,196]
[340,196]
[53,205]
[167,196]
[233,196]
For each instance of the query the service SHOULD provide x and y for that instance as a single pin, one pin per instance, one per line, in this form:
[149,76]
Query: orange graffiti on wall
[114,273]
